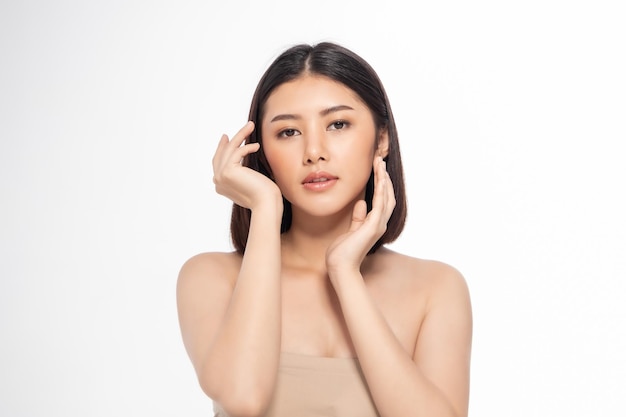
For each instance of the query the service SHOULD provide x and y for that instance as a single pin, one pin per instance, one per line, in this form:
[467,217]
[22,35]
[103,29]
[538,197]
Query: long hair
[342,65]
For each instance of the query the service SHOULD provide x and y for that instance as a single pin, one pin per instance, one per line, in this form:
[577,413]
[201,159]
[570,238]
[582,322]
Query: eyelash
[283,133]
[342,122]
[332,126]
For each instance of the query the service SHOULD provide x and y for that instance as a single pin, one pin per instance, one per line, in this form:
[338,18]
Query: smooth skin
[314,290]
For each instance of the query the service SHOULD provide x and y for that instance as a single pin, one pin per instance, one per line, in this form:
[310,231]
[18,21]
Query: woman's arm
[432,382]
[231,330]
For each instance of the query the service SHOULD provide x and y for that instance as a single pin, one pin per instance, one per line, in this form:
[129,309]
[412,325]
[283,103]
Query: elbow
[244,408]
[237,400]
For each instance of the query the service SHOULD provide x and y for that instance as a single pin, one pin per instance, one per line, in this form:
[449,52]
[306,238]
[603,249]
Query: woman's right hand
[244,186]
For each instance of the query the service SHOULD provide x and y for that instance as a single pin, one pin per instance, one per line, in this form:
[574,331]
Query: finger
[386,197]
[242,134]
[378,199]
[219,149]
[387,187]
[390,196]
[244,150]
[358,215]
[230,151]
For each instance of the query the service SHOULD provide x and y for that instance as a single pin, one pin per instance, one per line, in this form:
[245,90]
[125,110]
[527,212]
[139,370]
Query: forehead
[310,93]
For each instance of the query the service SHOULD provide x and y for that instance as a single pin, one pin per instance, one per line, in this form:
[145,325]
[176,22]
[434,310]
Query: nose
[314,148]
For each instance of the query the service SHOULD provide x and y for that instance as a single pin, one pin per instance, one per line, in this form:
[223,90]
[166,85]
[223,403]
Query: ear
[382,148]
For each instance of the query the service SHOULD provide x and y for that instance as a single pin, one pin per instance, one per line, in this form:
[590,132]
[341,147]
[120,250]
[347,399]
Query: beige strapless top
[311,386]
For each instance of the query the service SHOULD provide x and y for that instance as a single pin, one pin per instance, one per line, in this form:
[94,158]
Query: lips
[317,177]
[319,181]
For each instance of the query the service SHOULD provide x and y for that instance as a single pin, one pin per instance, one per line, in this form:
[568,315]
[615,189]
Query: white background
[512,126]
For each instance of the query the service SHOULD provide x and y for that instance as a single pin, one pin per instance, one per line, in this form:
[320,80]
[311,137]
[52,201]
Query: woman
[312,315]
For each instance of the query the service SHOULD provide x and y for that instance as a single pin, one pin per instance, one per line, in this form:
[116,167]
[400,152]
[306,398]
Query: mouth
[318,181]
[317,177]
[323,179]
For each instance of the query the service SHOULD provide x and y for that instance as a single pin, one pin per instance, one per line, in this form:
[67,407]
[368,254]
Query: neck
[308,238]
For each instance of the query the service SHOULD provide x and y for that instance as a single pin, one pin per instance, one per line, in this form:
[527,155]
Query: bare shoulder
[211,261]
[439,280]
[208,270]
[204,287]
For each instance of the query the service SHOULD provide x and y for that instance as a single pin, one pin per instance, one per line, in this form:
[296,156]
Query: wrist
[270,209]
[343,274]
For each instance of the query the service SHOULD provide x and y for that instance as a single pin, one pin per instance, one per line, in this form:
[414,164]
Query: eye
[338,125]
[287,133]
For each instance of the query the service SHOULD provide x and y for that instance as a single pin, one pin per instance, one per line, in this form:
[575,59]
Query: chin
[325,209]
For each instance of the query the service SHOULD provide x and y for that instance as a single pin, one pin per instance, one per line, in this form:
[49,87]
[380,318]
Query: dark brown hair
[342,65]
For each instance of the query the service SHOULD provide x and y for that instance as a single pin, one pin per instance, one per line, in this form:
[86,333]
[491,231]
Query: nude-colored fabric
[310,386]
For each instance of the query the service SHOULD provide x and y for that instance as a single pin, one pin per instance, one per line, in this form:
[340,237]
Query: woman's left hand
[347,252]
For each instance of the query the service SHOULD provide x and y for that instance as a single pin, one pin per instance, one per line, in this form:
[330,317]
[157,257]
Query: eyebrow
[324,112]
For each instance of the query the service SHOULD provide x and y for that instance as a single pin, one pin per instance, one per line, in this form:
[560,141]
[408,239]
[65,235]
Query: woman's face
[320,141]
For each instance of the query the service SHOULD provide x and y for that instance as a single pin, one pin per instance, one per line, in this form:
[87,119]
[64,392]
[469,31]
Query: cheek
[358,156]
[279,164]
[366,170]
